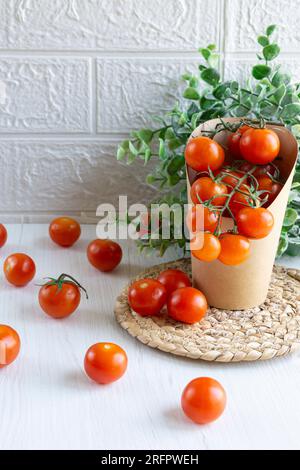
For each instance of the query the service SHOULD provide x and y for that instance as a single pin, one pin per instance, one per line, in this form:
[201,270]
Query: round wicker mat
[259,333]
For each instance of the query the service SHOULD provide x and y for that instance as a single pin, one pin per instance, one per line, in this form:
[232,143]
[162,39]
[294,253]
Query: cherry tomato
[203,400]
[173,279]
[205,247]
[105,362]
[202,153]
[233,141]
[262,170]
[60,297]
[147,297]
[64,231]
[240,200]
[187,305]
[230,178]
[201,218]
[3,235]
[254,222]
[235,249]
[204,189]
[19,269]
[9,345]
[104,255]
[272,188]
[259,146]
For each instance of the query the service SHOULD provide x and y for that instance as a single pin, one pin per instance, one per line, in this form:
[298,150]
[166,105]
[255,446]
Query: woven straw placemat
[259,333]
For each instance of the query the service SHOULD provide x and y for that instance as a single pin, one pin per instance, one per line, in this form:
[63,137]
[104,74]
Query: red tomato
[272,188]
[64,231]
[60,297]
[104,255]
[240,200]
[173,279]
[200,218]
[205,247]
[235,249]
[261,170]
[205,189]
[105,362]
[203,153]
[234,141]
[19,269]
[147,297]
[230,178]
[187,305]
[259,146]
[3,235]
[254,222]
[203,400]
[9,345]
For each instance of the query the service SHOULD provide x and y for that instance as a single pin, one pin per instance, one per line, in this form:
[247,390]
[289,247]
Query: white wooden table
[47,402]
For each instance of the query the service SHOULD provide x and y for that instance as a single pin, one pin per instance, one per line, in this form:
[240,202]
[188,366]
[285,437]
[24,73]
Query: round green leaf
[210,76]
[271,29]
[261,71]
[263,40]
[271,51]
[191,94]
[290,217]
[290,111]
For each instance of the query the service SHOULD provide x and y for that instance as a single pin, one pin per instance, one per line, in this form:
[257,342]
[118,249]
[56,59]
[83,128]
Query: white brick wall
[77,75]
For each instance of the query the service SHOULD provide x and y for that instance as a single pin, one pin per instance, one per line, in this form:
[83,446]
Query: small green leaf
[290,217]
[175,164]
[270,29]
[293,248]
[162,150]
[261,71]
[132,149]
[271,51]
[145,135]
[173,179]
[211,47]
[290,111]
[191,94]
[263,40]
[121,153]
[283,244]
[280,78]
[210,76]
[205,53]
[279,93]
[194,82]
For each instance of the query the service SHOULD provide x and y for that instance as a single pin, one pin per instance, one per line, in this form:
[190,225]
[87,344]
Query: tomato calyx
[64,279]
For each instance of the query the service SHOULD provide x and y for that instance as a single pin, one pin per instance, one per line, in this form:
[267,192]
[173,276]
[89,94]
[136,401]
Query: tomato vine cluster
[241,189]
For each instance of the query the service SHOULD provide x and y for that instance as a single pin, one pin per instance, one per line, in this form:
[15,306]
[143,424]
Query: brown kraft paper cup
[246,285]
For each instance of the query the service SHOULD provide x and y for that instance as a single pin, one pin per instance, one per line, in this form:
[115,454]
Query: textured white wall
[77,75]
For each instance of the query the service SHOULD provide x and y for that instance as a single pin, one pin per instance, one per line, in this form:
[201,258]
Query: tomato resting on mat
[203,400]
[105,362]
[9,345]
[147,296]
[3,235]
[173,279]
[187,305]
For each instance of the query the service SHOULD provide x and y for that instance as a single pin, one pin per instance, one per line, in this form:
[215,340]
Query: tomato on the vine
[9,345]
[201,218]
[233,141]
[187,305]
[205,189]
[259,146]
[261,170]
[254,222]
[104,255]
[147,296]
[205,247]
[19,269]
[203,153]
[240,199]
[235,249]
[64,231]
[60,297]
[272,188]
[3,235]
[173,279]
[203,400]
[230,178]
[105,362]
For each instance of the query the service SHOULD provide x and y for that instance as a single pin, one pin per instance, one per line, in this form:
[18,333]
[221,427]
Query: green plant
[268,94]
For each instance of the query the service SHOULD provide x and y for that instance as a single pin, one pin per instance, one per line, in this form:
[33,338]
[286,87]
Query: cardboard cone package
[246,285]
